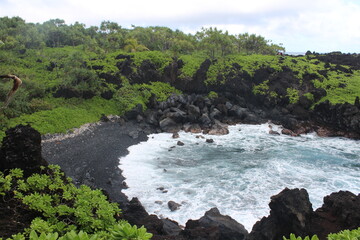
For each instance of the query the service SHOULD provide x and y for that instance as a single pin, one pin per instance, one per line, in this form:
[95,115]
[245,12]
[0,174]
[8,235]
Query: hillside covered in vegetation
[74,75]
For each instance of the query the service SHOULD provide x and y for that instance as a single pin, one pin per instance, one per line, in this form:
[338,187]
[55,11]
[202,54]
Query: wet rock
[219,129]
[344,117]
[214,225]
[286,131]
[272,132]
[290,212]
[169,125]
[175,135]
[171,227]
[210,140]
[136,214]
[341,210]
[173,206]
[193,128]
[180,143]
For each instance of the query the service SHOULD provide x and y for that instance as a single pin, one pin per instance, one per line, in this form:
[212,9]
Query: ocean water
[238,173]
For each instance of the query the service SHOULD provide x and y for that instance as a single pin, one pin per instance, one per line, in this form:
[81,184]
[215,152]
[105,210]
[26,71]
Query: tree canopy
[16,34]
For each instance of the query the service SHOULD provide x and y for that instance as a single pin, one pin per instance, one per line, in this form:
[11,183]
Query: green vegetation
[63,114]
[343,235]
[160,59]
[261,88]
[212,95]
[57,60]
[129,95]
[293,95]
[340,87]
[64,210]
[293,237]
[191,64]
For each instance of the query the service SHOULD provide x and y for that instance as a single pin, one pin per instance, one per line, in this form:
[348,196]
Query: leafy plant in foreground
[125,231]
[345,235]
[293,237]
[65,211]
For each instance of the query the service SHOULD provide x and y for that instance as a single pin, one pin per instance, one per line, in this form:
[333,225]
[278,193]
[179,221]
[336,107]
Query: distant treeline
[16,34]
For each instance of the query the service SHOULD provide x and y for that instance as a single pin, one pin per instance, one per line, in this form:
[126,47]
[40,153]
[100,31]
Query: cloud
[321,25]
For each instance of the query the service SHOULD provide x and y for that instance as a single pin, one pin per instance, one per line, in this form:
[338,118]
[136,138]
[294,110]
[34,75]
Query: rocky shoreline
[91,155]
[291,210]
[91,158]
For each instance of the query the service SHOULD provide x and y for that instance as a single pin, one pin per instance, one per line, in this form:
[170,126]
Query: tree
[215,42]
[55,32]
[132,45]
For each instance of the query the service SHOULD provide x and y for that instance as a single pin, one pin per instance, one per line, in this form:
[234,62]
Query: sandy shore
[90,155]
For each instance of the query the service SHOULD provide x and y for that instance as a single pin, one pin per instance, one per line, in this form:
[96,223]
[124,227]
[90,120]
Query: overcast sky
[301,25]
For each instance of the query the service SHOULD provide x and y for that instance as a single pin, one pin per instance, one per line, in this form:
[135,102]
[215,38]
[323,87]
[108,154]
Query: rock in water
[173,206]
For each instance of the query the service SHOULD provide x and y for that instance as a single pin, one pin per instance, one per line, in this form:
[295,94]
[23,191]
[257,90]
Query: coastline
[90,155]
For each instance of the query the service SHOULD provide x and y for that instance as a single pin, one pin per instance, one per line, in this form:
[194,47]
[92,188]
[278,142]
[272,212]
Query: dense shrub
[65,211]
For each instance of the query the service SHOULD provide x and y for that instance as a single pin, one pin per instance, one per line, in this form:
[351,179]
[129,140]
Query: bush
[65,210]
[345,235]
[131,95]
[213,95]
[293,237]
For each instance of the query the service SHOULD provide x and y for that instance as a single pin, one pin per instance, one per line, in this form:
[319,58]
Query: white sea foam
[238,173]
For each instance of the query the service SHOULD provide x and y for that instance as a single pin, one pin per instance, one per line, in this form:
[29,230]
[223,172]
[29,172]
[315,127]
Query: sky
[300,25]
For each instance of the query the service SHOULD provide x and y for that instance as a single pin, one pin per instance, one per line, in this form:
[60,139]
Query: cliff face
[295,92]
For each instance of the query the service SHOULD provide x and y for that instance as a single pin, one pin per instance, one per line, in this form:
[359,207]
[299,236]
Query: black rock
[21,148]
[290,212]
[214,226]
[173,206]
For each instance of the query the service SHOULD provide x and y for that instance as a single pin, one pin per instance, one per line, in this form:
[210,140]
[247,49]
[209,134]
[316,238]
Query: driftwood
[16,85]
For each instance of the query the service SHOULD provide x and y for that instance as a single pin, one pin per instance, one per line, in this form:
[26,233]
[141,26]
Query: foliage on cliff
[72,74]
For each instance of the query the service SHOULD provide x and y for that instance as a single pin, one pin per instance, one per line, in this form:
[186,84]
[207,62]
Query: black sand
[92,157]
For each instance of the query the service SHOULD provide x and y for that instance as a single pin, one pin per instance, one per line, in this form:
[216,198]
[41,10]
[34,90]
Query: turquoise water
[238,173]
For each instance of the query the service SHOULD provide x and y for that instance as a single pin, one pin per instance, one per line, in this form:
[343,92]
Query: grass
[65,115]
[335,93]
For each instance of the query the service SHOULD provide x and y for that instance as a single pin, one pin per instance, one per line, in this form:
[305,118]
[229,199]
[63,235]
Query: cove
[238,172]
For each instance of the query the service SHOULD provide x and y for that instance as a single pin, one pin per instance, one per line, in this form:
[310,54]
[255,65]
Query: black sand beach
[91,157]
